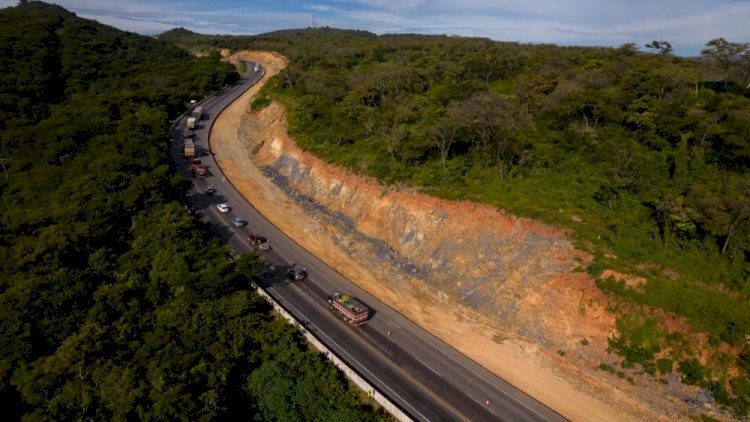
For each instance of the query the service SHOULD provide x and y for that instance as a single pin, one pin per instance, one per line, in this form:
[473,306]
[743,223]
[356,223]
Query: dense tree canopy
[115,302]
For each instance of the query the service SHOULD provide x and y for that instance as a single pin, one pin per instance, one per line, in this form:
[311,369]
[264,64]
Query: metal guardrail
[349,372]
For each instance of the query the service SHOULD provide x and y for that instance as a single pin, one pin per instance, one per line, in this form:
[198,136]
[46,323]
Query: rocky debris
[347,235]
[702,398]
[490,273]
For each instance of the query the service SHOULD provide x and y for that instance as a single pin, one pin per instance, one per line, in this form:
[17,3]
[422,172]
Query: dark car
[297,273]
[259,241]
[210,191]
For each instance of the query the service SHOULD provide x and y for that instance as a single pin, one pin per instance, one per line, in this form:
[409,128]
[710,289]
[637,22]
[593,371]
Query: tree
[531,88]
[497,122]
[725,54]
[442,135]
[745,66]
[724,208]
[629,49]
[738,205]
[661,47]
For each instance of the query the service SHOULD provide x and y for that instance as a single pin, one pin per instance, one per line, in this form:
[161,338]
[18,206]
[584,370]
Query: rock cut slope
[515,302]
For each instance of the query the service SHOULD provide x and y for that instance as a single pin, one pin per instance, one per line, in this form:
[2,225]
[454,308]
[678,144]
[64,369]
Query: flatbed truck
[349,308]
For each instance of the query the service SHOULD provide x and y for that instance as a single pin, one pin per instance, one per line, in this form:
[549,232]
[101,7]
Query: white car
[223,207]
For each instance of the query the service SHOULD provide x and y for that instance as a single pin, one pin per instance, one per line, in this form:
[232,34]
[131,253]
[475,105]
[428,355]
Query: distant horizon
[686,24]
[686,50]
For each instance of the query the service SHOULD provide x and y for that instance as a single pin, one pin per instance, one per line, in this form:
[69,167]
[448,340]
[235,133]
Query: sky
[686,24]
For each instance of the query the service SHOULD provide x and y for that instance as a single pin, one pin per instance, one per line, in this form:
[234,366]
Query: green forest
[641,155]
[115,301]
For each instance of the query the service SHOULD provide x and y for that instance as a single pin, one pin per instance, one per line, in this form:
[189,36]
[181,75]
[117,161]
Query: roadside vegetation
[642,155]
[115,301]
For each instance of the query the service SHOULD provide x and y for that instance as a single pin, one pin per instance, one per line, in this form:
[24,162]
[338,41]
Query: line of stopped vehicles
[347,307]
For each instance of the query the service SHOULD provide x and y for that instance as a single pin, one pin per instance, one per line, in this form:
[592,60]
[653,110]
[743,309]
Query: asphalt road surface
[426,378]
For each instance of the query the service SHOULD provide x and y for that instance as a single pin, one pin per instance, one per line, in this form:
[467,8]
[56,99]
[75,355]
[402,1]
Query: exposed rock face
[507,269]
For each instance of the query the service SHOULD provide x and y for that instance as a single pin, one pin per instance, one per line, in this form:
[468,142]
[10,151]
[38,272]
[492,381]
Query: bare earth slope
[515,303]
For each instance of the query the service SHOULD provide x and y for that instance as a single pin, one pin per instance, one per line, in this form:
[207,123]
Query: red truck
[349,308]
[259,242]
[198,169]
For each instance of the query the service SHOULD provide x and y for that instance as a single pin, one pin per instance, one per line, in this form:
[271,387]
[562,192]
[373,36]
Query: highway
[426,378]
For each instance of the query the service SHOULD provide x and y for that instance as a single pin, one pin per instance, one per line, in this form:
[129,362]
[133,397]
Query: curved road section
[427,379]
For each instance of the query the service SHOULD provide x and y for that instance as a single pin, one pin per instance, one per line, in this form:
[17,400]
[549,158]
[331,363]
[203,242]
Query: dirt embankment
[516,304]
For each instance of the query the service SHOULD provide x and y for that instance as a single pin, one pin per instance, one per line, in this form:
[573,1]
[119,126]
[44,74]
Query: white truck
[191,123]
[198,112]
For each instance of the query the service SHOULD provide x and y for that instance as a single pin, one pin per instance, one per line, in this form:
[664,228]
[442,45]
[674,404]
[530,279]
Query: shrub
[664,365]
[259,103]
[692,371]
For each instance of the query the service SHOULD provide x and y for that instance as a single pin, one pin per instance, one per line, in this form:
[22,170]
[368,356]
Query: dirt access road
[573,393]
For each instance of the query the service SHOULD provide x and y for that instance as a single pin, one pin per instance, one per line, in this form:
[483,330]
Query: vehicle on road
[198,112]
[349,308]
[210,191]
[188,149]
[238,222]
[259,242]
[296,273]
[223,207]
[197,168]
[191,122]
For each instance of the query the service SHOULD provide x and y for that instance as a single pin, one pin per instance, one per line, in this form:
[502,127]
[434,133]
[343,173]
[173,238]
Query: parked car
[296,273]
[223,207]
[238,222]
[259,241]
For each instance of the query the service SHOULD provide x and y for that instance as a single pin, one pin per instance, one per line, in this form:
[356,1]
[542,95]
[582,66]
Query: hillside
[116,303]
[641,158]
